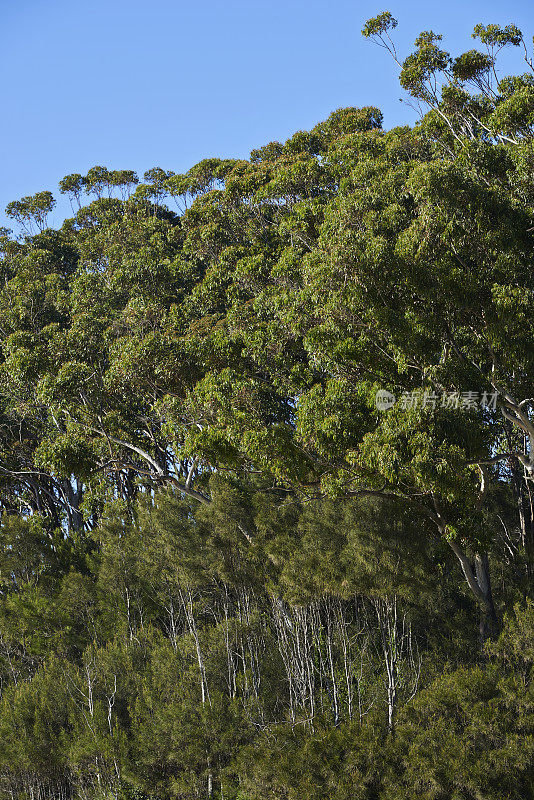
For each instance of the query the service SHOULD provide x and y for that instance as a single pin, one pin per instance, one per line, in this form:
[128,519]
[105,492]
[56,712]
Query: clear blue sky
[130,84]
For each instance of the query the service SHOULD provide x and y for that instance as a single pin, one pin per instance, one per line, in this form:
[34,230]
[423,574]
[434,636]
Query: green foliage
[379,24]
[468,734]
[31,211]
[225,572]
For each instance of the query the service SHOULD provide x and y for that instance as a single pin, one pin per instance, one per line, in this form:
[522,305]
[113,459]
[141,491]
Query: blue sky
[166,83]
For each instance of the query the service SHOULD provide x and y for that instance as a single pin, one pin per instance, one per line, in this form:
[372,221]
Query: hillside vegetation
[228,569]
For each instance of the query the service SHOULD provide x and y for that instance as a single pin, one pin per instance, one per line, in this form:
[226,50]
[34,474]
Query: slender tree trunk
[489,623]
[479,581]
[525,506]
[386,612]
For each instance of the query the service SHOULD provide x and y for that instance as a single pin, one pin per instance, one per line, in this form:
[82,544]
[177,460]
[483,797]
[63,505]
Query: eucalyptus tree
[397,260]
[242,443]
[251,332]
[366,274]
[32,212]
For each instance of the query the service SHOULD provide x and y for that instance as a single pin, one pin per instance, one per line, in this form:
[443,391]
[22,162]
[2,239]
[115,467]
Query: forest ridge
[267,461]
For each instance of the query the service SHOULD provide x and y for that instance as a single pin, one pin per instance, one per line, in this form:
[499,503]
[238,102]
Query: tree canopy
[267,461]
